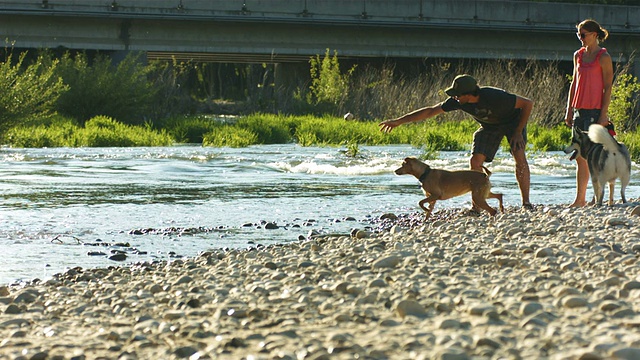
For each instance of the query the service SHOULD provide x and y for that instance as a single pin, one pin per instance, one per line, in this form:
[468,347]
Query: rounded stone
[574,302]
[410,307]
[528,308]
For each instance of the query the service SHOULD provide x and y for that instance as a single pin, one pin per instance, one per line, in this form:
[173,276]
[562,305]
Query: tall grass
[544,138]
[384,94]
[230,136]
[189,129]
[432,134]
[100,131]
[632,141]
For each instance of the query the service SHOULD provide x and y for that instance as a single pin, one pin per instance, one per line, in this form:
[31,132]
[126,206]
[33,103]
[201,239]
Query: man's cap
[462,85]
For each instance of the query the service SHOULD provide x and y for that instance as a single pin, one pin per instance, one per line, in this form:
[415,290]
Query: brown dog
[443,184]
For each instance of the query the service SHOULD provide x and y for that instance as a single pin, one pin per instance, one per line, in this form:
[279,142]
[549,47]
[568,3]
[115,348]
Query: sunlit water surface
[55,201]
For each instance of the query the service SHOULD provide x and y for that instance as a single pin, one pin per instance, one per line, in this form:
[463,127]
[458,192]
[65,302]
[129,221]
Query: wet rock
[118,257]
[389,216]
[271,226]
[12,309]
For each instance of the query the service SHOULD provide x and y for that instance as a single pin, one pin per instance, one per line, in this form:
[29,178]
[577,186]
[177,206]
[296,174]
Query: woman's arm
[607,80]
[568,117]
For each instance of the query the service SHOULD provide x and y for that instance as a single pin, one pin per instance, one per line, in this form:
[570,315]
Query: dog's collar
[424,175]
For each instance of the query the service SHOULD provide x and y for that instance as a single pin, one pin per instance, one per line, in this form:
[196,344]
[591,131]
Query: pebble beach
[551,283]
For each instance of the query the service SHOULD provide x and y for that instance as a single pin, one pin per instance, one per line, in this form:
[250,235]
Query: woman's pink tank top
[589,83]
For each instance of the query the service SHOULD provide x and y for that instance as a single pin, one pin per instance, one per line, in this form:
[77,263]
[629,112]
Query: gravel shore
[552,283]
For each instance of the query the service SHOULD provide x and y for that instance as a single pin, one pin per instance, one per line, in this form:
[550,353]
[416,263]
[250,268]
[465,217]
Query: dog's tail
[599,134]
[486,171]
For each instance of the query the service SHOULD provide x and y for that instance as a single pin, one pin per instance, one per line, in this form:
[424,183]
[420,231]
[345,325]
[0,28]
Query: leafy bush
[27,91]
[329,86]
[624,101]
[122,92]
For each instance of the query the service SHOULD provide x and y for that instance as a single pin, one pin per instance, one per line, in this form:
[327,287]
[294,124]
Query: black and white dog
[607,159]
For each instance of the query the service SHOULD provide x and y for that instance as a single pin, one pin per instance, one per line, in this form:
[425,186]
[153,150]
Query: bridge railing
[454,13]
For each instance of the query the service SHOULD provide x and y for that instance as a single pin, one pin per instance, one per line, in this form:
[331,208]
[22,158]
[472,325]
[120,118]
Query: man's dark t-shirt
[494,107]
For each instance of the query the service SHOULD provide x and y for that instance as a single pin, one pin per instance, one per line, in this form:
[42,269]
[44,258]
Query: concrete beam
[294,30]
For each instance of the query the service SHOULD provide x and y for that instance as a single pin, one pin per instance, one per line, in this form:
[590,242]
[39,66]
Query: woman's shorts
[487,139]
[583,118]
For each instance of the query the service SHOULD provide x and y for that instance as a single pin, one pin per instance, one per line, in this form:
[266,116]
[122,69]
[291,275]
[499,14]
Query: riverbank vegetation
[77,100]
[99,131]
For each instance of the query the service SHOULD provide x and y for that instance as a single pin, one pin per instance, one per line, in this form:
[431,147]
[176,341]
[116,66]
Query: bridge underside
[288,32]
[274,42]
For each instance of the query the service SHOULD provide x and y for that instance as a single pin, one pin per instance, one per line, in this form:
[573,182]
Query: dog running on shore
[607,159]
[443,184]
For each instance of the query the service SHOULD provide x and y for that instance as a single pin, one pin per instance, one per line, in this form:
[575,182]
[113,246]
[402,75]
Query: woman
[590,92]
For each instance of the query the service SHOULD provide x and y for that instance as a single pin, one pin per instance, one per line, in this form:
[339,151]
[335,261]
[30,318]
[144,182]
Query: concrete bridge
[286,31]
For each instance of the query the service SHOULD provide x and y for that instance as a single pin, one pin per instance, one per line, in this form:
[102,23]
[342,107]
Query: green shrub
[122,92]
[329,86]
[624,101]
[27,91]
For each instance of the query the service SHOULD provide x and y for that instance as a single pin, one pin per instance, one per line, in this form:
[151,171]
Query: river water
[61,208]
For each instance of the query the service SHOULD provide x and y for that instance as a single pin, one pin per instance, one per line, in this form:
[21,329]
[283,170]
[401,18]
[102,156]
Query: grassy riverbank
[431,136]
[73,100]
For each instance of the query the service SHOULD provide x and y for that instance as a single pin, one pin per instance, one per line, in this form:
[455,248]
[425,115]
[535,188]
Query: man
[499,113]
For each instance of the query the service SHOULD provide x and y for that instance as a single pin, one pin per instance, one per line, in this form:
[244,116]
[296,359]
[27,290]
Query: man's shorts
[487,139]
